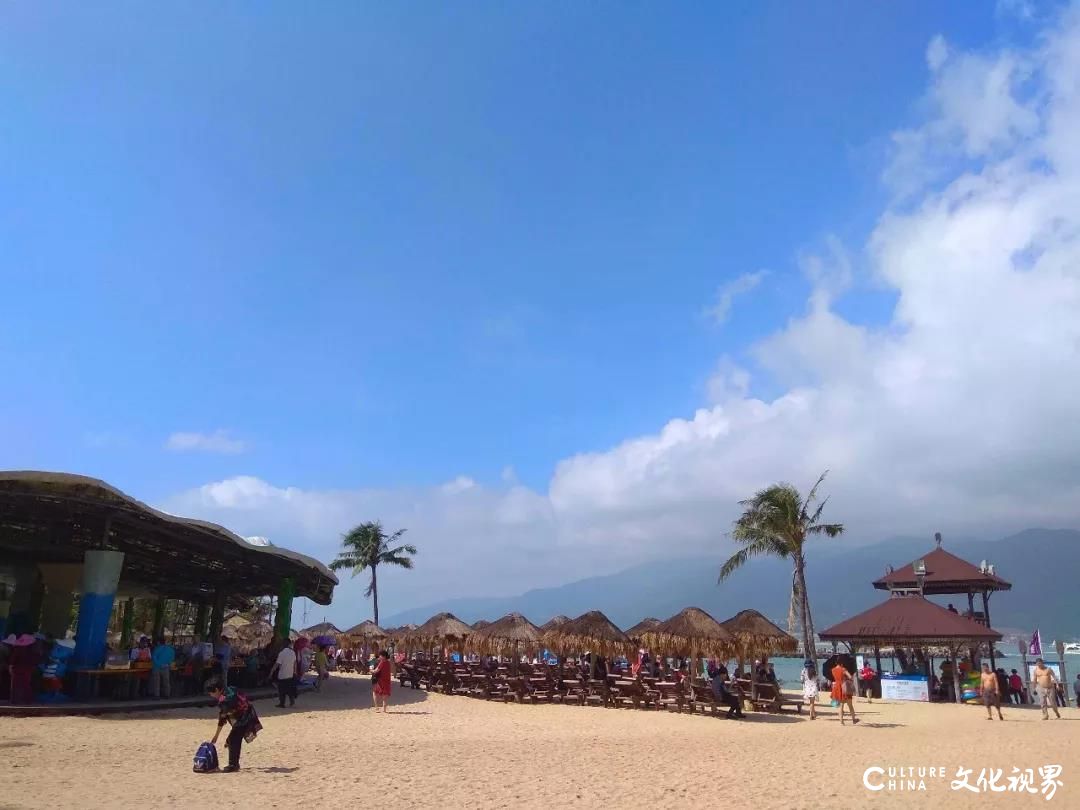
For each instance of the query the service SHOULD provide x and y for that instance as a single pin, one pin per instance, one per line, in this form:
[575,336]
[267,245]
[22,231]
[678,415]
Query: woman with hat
[22,662]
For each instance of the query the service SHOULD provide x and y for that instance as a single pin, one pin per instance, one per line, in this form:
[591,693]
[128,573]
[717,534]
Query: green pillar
[159,618]
[200,621]
[217,616]
[127,628]
[283,619]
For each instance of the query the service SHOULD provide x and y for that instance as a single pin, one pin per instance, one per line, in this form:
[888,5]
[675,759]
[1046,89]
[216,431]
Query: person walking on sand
[866,679]
[285,670]
[380,679]
[233,708]
[809,679]
[991,695]
[1016,687]
[1046,686]
[843,692]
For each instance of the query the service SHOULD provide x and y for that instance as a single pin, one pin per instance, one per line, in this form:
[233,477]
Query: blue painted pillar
[101,575]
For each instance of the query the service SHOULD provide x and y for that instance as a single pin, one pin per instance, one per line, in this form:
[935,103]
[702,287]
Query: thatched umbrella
[690,632]
[365,633]
[255,634]
[552,623]
[645,624]
[513,632]
[367,630]
[592,631]
[321,629]
[757,637]
[440,630]
[480,624]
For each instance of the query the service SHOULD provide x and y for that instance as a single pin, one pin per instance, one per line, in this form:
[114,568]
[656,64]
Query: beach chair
[770,699]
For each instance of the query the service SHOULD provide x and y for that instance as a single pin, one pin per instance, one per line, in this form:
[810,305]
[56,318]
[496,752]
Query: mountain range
[1041,564]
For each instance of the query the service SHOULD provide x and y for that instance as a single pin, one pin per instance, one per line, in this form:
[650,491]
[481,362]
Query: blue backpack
[205,759]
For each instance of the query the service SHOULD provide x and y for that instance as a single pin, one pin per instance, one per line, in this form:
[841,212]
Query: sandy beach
[438,751]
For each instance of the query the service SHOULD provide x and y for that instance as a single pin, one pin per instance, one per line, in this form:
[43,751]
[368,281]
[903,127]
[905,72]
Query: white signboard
[905,688]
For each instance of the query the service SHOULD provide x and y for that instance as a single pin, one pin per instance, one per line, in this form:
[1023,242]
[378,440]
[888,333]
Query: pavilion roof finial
[937,539]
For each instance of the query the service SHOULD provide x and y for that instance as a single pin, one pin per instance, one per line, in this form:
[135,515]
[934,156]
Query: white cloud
[958,414]
[726,295]
[217,442]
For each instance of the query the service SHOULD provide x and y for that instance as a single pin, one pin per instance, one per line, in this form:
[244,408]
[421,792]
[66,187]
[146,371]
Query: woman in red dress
[380,677]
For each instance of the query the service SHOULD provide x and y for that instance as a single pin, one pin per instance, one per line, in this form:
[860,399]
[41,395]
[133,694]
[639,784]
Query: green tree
[365,548]
[777,522]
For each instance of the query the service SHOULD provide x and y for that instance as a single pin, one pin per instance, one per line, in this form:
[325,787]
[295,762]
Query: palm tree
[777,522]
[365,548]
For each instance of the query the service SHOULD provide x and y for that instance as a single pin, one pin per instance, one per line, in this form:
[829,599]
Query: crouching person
[233,708]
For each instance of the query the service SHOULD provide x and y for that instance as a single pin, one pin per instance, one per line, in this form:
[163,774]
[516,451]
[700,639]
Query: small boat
[1072,648]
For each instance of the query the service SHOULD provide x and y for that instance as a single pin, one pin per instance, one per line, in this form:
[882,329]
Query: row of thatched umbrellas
[691,632]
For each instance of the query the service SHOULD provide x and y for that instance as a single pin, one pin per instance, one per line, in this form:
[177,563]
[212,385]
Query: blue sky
[380,246]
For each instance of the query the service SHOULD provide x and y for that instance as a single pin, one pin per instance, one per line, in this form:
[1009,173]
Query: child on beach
[233,708]
[809,679]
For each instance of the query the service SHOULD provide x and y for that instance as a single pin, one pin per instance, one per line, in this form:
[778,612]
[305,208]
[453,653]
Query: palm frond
[811,496]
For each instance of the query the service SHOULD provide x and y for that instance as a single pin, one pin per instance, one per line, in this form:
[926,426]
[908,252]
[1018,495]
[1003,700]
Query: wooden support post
[986,618]
[1024,663]
[1064,680]
[956,673]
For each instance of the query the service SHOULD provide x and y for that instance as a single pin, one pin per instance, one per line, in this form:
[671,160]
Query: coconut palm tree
[777,522]
[365,548]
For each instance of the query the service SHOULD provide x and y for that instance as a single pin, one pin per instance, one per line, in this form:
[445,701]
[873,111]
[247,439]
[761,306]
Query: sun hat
[25,640]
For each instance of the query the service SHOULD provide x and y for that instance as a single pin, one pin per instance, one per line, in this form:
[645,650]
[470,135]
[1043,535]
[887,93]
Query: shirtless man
[990,693]
[1046,684]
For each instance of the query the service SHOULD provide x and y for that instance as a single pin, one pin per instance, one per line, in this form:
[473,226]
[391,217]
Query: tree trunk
[808,621]
[375,592]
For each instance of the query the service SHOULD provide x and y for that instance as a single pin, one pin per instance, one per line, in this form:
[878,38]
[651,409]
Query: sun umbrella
[367,630]
[554,622]
[645,624]
[442,628]
[593,632]
[480,624]
[691,631]
[512,633]
[321,629]
[757,637]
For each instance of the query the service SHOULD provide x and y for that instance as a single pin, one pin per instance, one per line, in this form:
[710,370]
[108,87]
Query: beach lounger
[770,699]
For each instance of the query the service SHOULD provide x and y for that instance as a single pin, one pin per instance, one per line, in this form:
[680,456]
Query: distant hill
[839,576]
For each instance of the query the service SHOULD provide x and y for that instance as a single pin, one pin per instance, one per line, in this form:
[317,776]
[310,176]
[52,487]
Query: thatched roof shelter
[642,626]
[756,636]
[512,633]
[909,619]
[689,632]
[367,630]
[592,632]
[399,633]
[48,517]
[480,624]
[945,573]
[554,622]
[439,629]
